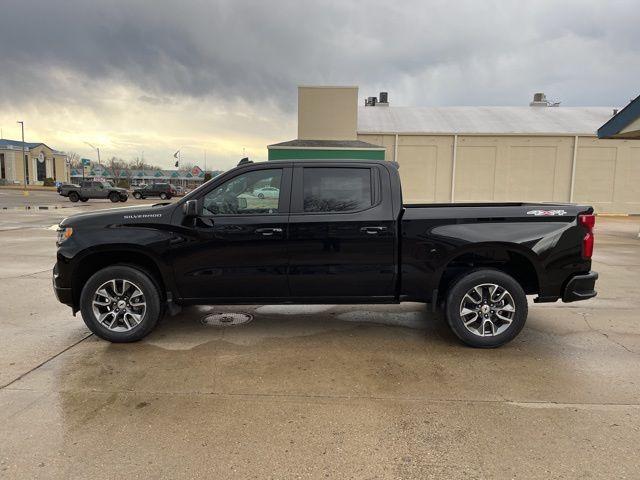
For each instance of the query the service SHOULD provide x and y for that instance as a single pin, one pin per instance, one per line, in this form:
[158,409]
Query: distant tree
[120,169]
[138,163]
[207,176]
[74,159]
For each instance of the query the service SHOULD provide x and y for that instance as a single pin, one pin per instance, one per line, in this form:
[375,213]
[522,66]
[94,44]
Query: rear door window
[336,189]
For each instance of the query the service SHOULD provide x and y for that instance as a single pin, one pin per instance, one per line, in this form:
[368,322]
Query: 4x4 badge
[546,213]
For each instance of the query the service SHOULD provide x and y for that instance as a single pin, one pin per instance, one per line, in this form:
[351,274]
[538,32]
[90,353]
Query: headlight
[63,234]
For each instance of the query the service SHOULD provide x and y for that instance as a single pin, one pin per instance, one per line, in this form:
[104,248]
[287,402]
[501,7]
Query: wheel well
[512,263]
[97,261]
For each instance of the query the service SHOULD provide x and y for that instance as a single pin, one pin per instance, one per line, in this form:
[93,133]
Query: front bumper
[580,287]
[63,294]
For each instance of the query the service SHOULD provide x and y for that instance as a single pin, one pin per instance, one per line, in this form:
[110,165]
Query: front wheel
[83,199]
[123,198]
[486,308]
[137,196]
[163,196]
[74,197]
[120,304]
[114,197]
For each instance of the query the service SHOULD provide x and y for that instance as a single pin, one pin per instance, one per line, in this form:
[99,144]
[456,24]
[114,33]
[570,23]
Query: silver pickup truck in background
[92,189]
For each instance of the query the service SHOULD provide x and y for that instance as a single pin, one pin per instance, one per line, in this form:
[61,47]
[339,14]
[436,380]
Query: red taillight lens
[588,222]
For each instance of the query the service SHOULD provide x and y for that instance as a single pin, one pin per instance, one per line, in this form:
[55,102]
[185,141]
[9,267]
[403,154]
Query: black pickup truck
[335,232]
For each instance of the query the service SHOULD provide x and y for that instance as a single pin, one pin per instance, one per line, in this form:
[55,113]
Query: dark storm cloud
[424,52]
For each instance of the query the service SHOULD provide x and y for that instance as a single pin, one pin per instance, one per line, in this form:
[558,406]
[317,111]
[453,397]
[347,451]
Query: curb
[35,207]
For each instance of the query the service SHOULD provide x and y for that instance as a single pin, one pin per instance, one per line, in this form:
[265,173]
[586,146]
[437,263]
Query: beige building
[42,162]
[540,152]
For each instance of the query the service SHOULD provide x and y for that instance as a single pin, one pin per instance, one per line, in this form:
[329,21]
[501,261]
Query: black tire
[476,278]
[114,197]
[163,196]
[137,196]
[261,196]
[74,197]
[82,199]
[123,198]
[151,295]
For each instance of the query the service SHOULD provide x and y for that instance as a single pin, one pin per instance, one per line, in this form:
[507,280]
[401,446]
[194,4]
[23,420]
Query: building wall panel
[518,168]
[595,175]
[476,173]
[327,113]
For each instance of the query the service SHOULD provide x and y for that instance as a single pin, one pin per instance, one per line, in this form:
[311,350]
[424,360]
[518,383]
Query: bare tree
[120,169]
[74,159]
[138,163]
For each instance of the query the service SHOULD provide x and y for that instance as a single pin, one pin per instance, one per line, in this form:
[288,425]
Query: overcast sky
[154,76]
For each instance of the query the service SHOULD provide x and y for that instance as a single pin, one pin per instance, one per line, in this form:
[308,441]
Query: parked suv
[163,190]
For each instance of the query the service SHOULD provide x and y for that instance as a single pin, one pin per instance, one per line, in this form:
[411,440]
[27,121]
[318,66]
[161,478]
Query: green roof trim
[324,154]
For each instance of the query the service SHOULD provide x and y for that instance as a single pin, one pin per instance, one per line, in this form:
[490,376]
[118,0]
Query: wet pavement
[318,391]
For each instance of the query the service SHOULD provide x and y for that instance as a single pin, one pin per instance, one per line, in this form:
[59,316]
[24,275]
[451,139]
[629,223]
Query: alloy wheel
[119,305]
[487,309]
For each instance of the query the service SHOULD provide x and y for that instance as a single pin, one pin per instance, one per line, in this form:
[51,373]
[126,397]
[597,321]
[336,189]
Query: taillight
[588,222]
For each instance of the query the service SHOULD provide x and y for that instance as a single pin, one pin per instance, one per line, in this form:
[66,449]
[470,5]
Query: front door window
[251,193]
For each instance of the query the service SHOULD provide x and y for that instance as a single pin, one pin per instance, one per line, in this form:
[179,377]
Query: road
[317,391]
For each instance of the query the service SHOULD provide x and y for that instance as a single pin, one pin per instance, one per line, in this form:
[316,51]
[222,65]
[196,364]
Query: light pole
[24,160]
[97,150]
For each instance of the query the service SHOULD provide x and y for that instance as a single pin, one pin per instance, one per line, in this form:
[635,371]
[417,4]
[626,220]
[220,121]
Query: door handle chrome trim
[373,230]
[267,232]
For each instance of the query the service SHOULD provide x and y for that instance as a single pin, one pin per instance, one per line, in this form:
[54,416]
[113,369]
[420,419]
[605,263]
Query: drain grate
[226,319]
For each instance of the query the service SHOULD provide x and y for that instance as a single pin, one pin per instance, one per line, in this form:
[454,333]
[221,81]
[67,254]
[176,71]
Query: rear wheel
[137,196]
[123,198]
[120,304]
[83,199]
[74,197]
[486,308]
[163,196]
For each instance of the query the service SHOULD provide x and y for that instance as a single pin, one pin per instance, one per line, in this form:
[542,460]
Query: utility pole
[97,150]
[24,160]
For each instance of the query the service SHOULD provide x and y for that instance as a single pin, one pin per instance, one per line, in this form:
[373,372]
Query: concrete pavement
[318,391]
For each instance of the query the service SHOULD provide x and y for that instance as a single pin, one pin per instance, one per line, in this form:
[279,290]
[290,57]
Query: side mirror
[190,208]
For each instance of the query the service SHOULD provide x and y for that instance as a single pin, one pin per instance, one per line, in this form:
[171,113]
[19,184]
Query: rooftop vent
[540,100]
[382,101]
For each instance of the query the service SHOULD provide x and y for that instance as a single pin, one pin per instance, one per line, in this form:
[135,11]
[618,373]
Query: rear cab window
[336,190]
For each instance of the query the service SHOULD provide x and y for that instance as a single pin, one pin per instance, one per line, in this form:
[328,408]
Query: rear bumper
[580,287]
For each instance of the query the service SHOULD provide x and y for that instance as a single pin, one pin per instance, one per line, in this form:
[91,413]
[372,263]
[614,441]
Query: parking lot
[315,391]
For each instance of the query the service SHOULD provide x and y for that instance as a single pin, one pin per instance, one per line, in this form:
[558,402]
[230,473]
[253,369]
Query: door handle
[267,232]
[373,230]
